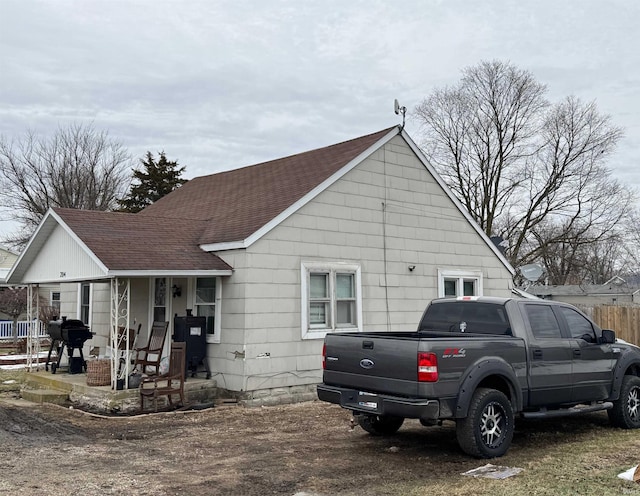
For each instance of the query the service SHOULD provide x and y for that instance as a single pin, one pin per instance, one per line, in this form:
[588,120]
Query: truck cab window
[543,322]
[579,326]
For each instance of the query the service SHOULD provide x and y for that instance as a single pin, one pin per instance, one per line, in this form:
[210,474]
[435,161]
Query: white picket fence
[6,329]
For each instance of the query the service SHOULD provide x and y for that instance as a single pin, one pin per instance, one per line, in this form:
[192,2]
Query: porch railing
[6,329]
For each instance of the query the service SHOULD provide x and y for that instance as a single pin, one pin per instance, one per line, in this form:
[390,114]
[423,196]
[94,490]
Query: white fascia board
[31,242]
[302,201]
[49,217]
[169,273]
[456,202]
[232,245]
[75,237]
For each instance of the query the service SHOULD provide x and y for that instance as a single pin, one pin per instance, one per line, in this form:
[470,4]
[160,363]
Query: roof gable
[240,202]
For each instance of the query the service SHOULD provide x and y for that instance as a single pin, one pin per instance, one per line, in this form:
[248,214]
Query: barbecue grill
[71,333]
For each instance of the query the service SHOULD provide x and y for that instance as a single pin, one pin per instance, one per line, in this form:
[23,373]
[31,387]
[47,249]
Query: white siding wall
[226,359]
[70,259]
[345,224]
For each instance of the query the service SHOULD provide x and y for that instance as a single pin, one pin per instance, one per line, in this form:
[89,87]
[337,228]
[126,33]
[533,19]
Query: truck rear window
[466,316]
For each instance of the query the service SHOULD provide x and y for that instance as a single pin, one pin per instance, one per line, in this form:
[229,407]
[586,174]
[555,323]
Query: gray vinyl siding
[345,224]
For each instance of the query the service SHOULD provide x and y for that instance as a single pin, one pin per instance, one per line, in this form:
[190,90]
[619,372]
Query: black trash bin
[192,330]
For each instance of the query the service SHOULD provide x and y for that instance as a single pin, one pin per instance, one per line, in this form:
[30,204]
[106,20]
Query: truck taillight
[324,356]
[427,367]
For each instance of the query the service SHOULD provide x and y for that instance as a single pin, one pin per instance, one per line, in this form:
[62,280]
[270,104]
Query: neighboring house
[616,291]
[356,236]
[49,295]
[7,259]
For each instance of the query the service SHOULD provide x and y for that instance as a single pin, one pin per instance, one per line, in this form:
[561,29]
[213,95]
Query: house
[7,258]
[356,236]
[616,291]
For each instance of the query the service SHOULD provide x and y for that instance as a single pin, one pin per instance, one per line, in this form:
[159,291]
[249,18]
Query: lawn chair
[169,384]
[151,354]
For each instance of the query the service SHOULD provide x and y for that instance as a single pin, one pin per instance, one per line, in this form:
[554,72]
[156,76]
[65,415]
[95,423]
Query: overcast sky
[223,84]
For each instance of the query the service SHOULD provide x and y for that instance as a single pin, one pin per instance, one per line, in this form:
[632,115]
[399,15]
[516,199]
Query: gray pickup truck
[480,362]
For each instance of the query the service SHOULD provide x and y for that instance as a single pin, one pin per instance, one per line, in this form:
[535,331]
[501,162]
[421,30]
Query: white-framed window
[454,283]
[54,301]
[206,303]
[159,299]
[331,298]
[84,303]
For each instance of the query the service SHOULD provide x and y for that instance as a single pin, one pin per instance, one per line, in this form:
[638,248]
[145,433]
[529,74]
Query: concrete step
[45,396]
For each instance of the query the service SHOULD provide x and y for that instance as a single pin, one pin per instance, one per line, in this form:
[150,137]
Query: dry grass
[305,448]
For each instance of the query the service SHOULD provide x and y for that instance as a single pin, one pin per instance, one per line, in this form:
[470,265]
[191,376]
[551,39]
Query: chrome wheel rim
[492,424]
[633,404]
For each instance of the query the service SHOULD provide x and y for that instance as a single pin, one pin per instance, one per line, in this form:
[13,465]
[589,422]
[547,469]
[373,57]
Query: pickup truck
[481,361]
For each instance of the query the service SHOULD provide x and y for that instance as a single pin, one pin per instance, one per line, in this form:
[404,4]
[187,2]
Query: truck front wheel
[380,425]
[626,409]
[487,430]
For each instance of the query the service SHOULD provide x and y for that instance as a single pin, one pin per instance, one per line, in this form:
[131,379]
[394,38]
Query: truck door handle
[367,345]
[577,353]
[537,354]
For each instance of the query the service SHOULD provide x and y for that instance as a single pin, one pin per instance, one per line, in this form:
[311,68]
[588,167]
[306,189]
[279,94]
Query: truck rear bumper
[379,404]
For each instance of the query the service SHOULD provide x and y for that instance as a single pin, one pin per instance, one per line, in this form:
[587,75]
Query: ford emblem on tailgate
[365,363]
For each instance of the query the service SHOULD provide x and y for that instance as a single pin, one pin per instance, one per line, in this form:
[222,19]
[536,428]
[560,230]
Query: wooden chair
[169,384]
[152,353]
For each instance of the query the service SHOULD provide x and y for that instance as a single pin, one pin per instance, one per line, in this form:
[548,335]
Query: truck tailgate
[370,362]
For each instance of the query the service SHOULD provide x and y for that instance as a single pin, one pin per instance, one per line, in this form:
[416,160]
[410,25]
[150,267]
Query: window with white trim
[84,307]
[160,299]
[54,301]
[454,283]
[207,304]
[331,298]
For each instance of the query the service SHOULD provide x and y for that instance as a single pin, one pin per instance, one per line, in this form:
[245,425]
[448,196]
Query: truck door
[592,369]
[550,357]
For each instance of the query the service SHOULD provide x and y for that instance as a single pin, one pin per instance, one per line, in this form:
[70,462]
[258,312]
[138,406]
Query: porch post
[119,341]
[33,328]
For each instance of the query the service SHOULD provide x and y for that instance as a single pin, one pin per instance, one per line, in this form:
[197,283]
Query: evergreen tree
[154,181]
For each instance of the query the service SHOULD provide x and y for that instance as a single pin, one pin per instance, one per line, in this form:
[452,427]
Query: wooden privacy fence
[625,320]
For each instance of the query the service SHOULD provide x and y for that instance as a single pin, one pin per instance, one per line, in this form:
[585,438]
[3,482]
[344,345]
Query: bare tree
[78,167]
[520,164]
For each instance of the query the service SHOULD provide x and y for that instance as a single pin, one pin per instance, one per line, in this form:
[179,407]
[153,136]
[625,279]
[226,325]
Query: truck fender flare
[624,362]
[478,372]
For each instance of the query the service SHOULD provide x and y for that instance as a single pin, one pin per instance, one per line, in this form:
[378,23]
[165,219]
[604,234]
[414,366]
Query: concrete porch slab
[103,399]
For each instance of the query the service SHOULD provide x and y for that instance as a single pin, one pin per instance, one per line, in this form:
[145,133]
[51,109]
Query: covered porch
[117,274]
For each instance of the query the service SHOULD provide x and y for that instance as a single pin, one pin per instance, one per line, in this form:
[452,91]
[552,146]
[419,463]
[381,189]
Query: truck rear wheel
[626,409]
[487,430]
[380,425]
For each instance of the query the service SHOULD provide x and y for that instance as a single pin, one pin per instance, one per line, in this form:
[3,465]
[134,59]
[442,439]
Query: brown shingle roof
[133,242]
[237,203]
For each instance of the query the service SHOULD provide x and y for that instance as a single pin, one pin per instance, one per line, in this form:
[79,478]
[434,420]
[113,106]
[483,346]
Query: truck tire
[626,409]
[380,425]
[487,430]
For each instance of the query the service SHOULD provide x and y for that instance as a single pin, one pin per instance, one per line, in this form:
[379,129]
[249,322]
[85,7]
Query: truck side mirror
[608,336]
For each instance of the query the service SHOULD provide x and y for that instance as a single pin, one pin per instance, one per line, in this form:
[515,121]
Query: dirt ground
[305,449]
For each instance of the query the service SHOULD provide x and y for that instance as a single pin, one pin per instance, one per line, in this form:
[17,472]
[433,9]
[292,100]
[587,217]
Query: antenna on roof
[398,109]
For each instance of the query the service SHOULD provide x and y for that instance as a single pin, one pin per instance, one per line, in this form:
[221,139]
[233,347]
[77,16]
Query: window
[579,326]
[160,300]
[454,283]
[331,298]
[54,301]
[543,322]
[85,303]
[207,297]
